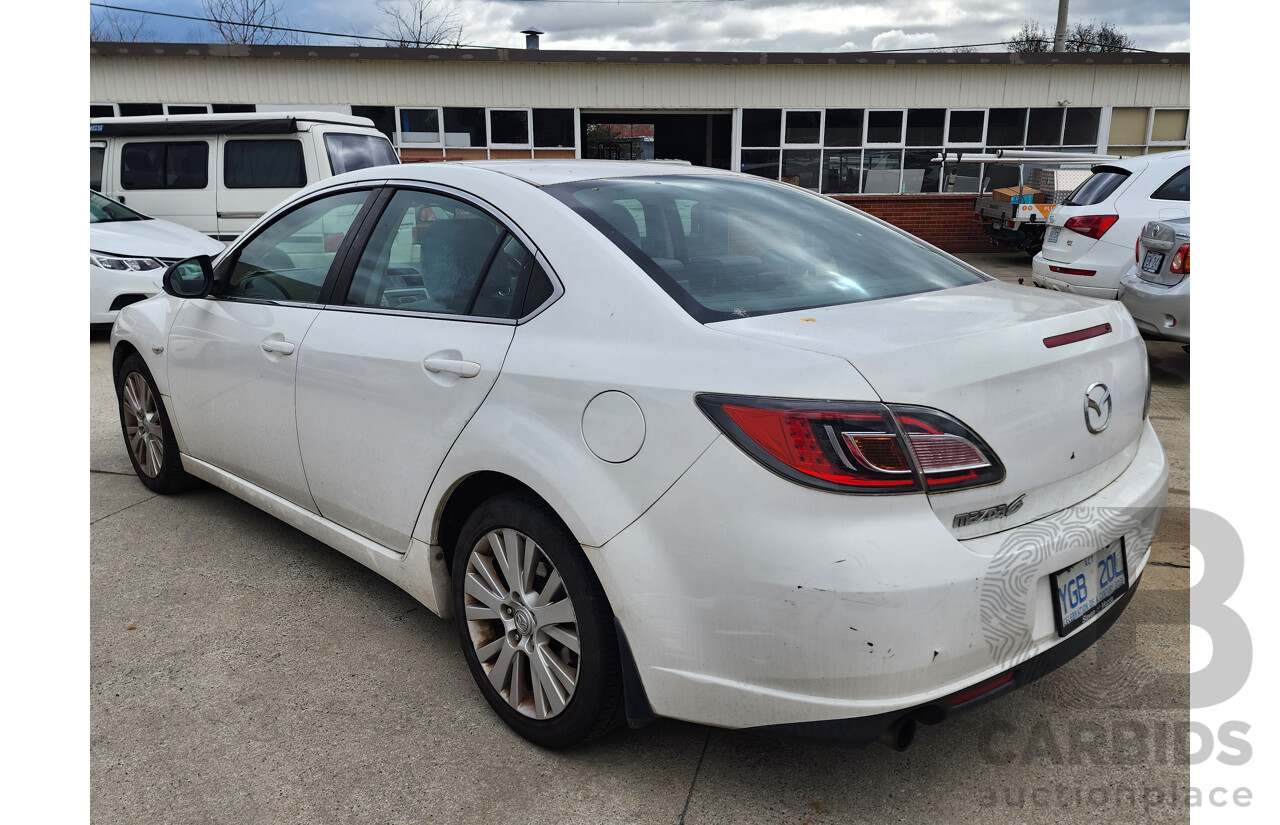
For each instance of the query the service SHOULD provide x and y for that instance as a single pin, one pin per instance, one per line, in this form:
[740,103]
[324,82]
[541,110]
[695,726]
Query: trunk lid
[979,354]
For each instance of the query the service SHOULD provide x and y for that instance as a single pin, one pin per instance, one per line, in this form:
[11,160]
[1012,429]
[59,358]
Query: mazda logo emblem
[1097,407]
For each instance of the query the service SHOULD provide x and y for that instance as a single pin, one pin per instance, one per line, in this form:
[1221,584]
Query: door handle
[465,369]
[282,347]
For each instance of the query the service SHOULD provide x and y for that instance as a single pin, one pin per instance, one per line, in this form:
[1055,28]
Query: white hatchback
[1088,242]
[128,252]
[665,441]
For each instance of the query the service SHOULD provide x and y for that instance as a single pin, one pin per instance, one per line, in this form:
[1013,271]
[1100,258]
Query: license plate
[1087,587]
[1152,262]
[1054,232]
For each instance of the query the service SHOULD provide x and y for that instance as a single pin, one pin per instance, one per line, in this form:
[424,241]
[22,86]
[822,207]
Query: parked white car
[1089,238]
[665,440]
[128,252]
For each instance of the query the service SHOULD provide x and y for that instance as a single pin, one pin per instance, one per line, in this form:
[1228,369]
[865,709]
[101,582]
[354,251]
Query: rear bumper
[866,729]
[1159,311]
[1105,260]
[749,601]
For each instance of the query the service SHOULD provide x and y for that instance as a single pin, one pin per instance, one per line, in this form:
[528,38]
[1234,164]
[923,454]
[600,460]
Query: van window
[165,165]
[97,154]
[348,153]
[263,164]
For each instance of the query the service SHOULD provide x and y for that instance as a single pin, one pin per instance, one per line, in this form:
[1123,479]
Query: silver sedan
[1157,288]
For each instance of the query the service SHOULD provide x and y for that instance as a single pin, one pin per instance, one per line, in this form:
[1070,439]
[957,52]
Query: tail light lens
[1091,226]
[1137,250]
[856,447]
[1181,263]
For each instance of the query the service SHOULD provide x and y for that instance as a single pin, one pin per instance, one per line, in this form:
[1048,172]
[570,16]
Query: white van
[218,173]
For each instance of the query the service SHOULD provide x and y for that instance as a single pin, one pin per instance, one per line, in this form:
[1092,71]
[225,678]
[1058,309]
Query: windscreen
[735,247]
[104,210]
[347,152]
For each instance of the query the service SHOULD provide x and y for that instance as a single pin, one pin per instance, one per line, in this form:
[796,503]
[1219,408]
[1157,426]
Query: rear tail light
[1137,250]
[1091,226]
[1181,263]
[856,447]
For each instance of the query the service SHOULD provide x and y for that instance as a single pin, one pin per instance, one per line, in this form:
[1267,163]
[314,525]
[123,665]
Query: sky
[708,25]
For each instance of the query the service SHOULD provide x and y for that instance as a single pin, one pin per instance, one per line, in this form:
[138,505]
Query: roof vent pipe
[531,38]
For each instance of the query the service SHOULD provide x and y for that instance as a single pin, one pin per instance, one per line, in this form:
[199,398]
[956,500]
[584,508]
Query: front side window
[728,248]
[290,259]
[263,164]
[347,153]
[432,253]
[182,165]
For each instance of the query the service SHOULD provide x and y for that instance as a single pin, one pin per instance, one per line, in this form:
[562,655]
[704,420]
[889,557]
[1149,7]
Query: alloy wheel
[143,428]
[521,623]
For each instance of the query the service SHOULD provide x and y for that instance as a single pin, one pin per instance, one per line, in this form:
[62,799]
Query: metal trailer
[1019,225]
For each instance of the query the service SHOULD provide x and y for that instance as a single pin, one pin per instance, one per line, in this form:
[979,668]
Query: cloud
[898,39]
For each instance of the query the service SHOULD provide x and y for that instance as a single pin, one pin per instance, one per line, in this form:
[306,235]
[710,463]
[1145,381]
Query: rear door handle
[282,347]
[465,369]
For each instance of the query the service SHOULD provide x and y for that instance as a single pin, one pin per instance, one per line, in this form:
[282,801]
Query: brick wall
[946,221]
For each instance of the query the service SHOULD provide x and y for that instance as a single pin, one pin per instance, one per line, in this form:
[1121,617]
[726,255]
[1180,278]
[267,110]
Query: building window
[102,110]
[186,108]
[140,109]
[885,127]
[803,127]
[1170,126]
[418,127]
[761,127]
[966,127]
[553,129]
[464,127]
[508,127]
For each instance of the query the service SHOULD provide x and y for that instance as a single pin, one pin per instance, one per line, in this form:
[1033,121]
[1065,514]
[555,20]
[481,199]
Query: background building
[860,126]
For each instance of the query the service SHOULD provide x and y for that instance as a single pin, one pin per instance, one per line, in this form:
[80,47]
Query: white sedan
[128,252]
[665,441]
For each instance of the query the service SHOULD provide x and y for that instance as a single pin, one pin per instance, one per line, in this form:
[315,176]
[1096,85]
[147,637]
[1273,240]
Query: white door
[233,358]
[390,375]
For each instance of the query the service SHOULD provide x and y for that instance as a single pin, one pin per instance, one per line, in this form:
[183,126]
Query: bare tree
[1082,37]
[416,24]
[107,25]
[1030,38]
[1098,37]
[248,21]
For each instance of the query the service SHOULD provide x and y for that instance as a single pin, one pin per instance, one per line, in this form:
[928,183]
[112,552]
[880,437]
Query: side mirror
[192,278]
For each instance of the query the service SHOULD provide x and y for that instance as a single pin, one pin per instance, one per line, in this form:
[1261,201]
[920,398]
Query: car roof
[1179,158]
[548,172]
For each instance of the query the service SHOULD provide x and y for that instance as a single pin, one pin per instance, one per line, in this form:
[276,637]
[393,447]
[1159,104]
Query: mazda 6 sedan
[665,441]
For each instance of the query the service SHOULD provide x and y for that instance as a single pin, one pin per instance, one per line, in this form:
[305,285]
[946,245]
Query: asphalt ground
[242,672]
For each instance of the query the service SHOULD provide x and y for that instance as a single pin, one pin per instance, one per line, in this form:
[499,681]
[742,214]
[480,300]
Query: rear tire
[535,626]
[148,436]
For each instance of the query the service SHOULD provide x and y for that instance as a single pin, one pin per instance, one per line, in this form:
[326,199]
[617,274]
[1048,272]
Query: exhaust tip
[899,735]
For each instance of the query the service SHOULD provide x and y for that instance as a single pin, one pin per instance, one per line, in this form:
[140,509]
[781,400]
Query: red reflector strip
[1079,335]
[961,698]
[1064,270]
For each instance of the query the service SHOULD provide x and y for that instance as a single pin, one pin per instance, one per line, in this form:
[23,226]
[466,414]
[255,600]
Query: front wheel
[149,439]
[535,626]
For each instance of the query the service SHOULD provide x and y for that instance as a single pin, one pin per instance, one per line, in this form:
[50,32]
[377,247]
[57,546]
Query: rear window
[348,153]
[1176,188]
[1097,187]
[736,247]
[263,164]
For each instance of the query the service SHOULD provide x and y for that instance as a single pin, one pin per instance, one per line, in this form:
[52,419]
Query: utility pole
[1060,33]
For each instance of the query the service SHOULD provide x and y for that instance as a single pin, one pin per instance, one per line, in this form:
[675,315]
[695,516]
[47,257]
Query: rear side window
[348,153]
[1176,188]
[96,156]
[432,253]
[1097,187]
[263,164]
[175,165]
